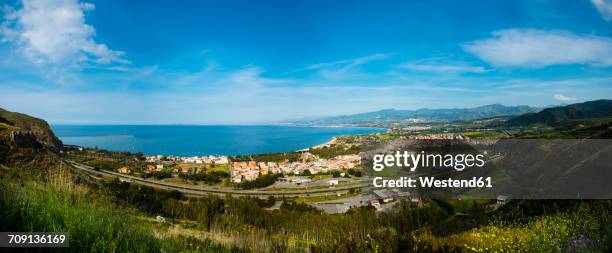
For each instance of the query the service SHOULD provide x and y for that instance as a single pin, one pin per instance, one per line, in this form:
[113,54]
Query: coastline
[328,143]
[334,139]
[330,126]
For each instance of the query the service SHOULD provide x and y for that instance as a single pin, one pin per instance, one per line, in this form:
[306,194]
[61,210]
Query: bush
[213,177]
[159,174]
[261,181]
[575,231]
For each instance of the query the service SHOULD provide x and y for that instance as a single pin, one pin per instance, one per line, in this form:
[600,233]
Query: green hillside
[27,142]
[38,127]
[592,109]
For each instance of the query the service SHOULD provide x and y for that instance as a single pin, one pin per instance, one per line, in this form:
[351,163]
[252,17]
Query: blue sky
[241,62]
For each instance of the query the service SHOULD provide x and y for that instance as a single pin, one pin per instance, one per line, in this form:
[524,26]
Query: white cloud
[88,6]
[251,76]
[49,31]
[562,97]
[349,63]
[441,67]
[539,48]
[343,69]
[604,7]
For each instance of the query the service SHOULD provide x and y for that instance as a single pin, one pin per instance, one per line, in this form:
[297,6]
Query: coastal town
[308,164]
[251,170]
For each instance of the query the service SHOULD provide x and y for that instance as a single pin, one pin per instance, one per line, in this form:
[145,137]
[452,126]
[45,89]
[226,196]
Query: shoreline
[328,143]
[334,139]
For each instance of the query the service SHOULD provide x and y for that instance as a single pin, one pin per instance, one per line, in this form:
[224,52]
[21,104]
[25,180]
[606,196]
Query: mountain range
[393,116]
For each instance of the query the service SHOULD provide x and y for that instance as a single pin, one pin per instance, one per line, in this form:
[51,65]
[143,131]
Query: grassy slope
[6,129]
[94,223]
[581,228]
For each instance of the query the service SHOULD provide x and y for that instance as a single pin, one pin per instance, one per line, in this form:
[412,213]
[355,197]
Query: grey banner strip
[512,168]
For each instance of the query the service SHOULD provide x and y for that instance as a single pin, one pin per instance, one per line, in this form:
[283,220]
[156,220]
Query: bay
[197,140]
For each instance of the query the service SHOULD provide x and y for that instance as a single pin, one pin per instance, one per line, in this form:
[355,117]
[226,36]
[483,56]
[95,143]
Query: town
[309,164]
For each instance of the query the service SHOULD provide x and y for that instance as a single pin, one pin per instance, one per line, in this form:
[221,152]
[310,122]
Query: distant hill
[422,115]
[592,109]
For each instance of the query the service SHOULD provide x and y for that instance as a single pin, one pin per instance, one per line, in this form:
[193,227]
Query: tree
[335,173]
[139,156]
[271,201]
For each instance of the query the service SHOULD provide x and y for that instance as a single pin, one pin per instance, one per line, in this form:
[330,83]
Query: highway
[199,191]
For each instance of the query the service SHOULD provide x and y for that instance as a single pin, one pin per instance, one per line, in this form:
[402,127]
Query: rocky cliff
[24,123]
[24,140]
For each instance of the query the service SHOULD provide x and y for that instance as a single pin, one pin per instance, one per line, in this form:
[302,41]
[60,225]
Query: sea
[199,140]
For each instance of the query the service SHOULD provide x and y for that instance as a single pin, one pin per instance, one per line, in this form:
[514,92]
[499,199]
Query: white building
[332,182]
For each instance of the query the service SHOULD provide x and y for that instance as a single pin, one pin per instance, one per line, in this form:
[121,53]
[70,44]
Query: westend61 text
[429,182]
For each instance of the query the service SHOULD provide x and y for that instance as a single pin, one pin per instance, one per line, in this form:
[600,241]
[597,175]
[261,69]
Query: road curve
[204,191]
